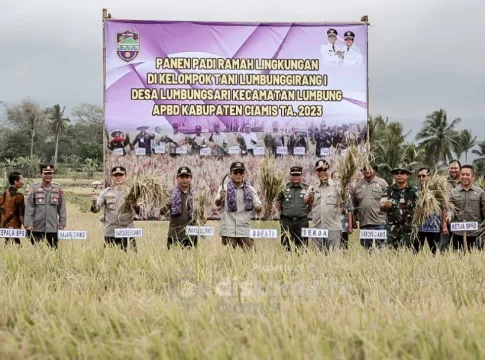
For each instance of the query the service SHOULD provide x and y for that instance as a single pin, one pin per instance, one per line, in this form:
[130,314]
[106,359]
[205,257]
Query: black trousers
[433,239]
[344,240]
[120,242]
[36,237]
[471,241]
[185,242]
[291,232]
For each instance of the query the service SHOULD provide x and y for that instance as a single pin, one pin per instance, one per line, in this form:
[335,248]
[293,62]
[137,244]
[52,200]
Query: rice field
[86,302]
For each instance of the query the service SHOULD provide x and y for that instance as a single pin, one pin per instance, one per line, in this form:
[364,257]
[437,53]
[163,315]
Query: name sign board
[263,233]
[128,233]
[72,235]
[12,233]
[464,226]
[314,233]
[373,234]
[199,230]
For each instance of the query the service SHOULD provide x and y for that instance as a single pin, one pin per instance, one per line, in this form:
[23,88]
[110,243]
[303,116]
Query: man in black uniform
[144,139]
[322,138]
[294,211]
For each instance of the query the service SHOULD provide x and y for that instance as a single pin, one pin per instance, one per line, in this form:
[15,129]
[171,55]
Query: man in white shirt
[351,54]
[219,142]
[250,139]
[331,52]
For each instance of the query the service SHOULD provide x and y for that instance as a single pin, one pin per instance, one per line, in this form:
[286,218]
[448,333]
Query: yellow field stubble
[84,301]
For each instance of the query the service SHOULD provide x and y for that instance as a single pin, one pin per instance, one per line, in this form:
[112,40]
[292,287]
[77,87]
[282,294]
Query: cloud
[423,55]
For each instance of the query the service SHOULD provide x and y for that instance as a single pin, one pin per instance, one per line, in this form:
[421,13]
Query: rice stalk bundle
[271,183]
[202,204]
[434,195]
[148,192]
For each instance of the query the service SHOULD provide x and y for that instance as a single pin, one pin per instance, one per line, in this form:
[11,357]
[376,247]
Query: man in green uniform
[294,211]
[181,208]
[399,203]
[45,211]
[112,199]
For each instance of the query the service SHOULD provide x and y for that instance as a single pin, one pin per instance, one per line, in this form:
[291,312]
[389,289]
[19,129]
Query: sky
[423,55]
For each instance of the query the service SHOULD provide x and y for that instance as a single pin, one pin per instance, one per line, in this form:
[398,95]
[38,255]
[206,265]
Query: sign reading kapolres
[206,94]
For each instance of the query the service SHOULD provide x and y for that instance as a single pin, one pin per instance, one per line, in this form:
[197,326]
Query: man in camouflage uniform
[112,199]
[294,211]
[399,203]
[45,211]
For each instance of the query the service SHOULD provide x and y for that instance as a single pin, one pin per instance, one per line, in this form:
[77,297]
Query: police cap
[118,170]
[332,32]
[47,168]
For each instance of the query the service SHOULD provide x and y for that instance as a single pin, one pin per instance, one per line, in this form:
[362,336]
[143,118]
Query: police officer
[351,54]
[112,199]
[45,211]
[322,139]
[399,203]
[294,211]
[331,52]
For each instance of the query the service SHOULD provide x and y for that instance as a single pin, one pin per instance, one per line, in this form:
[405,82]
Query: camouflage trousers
[399,236]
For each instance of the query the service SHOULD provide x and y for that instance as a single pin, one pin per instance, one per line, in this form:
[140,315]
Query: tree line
[32,134]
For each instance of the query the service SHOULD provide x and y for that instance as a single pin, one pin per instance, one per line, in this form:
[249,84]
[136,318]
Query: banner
[204,95]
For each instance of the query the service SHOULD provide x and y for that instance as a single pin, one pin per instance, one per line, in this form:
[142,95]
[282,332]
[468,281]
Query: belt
[294,218]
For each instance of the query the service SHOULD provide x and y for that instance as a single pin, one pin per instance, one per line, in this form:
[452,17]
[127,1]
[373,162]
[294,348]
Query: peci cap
[296,170]
[47,168]
[237,166]
[321,164]
[118,170]
[184,170]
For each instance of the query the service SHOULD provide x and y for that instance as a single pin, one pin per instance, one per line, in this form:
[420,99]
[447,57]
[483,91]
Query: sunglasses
[400,173]
[322,170]
[184,176]
[421,176]
[238,172]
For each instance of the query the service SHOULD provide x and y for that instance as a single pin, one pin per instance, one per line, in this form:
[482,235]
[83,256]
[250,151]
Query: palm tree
[414,156]
[479,165]
[465,142]
[438,137]
[481,150]
[388,147]
[57,125]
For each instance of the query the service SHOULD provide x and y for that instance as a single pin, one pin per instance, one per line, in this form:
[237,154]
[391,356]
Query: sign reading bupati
[292,91]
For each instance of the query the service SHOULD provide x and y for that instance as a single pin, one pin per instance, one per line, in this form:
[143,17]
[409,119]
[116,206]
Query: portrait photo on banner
[207,94]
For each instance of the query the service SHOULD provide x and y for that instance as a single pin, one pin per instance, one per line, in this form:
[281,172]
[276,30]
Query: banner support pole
[104,17]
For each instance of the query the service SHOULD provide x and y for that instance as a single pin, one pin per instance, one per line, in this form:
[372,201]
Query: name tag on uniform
[12,233]
[72,235]
[314,233]
[464,226]
[128,233]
